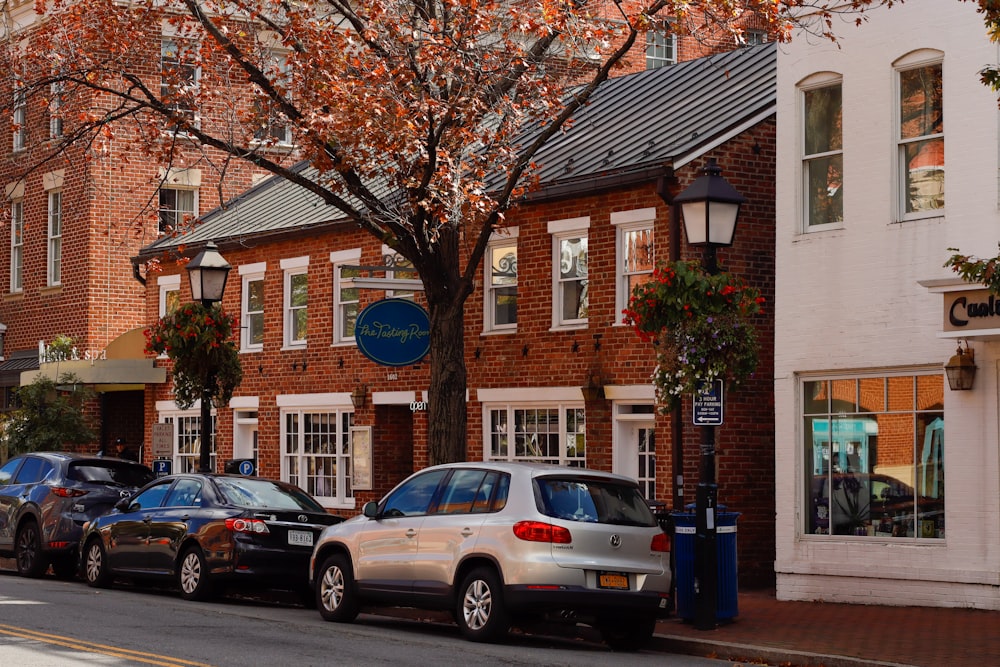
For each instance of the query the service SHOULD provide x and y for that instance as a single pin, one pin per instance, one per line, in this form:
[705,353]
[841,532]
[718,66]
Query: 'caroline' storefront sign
[971,311]
[393,332]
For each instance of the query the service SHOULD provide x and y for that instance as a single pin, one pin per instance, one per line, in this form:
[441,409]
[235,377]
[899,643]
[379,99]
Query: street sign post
[708,404]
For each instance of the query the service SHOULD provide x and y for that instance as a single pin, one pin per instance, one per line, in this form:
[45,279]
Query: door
[127,541]
[170,524]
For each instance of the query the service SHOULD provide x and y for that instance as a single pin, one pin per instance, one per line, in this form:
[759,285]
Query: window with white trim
[400,268]
[273,127]
[187,438]
[170,293]
[661,49]
[178,207]
[546,434]
[873,447]
[570,299]
[296,300]
[17,245]
[823,154]
[179,74]
[19,118]
[316,452]
[920,135]
[55,215]
[346,299]
[634,252]
[57,93]
[500,308]
[252,307]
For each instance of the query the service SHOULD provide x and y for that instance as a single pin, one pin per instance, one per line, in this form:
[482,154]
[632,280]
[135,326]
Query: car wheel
[64,567]
[628,633]
[336,597]
[95,565]
[193,577]
[481,612]
[28,551]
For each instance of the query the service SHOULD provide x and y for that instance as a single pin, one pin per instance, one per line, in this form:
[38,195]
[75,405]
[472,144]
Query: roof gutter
[592,183]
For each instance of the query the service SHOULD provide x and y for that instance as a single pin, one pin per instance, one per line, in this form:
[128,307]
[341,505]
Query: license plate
[300,537]
[615,580]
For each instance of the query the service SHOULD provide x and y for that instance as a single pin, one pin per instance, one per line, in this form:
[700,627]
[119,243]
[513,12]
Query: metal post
[706,572]
[706,568]
[205,453]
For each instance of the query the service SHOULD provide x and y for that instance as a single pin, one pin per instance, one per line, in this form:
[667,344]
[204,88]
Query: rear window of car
[245,492]
[110,472]
[592,500]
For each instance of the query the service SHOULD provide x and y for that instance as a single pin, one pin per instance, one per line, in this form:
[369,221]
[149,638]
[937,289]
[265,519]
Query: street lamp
[208,272]
[710,206]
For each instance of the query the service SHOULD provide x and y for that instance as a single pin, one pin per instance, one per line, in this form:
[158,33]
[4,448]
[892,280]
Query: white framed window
[633,251]
[873,448]
[661,49]
[542,431]
[55,229]
[823,153]
[296,300]
[178,207]
[920,134]
[17,245]
[57,94]
[19,117]
[398,268]
[170,293]
[316,447]
[187,435]
[252,307]
[179,76]
[273,125]
[570,299]
[346,298]
[500,281]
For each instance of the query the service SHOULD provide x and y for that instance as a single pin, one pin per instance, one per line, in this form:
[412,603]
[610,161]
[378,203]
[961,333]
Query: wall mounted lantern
[359,396]
[961,368]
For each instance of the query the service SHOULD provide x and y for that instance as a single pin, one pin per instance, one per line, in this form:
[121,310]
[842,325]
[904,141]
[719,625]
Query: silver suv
[499,544]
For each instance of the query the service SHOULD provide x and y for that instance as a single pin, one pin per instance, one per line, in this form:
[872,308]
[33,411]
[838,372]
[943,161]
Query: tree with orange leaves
[421,118]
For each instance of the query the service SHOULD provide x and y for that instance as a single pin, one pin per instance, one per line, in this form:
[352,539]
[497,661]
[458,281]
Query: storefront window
[874,452]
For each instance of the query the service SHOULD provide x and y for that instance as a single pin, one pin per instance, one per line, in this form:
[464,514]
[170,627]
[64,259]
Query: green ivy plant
[701,325]
[199,341]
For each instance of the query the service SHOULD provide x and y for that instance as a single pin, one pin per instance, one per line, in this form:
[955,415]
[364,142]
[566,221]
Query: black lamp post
[208,272]
[710,206]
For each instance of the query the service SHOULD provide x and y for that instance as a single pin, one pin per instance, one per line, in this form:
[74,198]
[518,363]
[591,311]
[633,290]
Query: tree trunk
[446,408]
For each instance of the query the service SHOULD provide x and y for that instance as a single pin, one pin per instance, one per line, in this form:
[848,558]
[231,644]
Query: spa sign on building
[393,332]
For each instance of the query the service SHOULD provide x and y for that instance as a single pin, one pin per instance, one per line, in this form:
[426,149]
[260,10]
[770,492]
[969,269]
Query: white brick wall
[850,300]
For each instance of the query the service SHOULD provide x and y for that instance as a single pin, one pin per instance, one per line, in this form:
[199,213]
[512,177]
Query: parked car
[499,544]
[206,531]
[46,497]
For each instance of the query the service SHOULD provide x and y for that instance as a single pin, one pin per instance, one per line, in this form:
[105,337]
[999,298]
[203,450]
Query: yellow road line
[104,649]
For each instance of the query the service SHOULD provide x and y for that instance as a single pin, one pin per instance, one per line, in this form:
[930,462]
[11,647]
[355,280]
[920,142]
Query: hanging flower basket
[199,342]
[701,326]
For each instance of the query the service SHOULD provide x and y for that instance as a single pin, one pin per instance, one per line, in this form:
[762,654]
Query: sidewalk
[814,634]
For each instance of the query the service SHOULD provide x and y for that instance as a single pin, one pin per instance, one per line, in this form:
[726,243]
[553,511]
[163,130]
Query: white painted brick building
[871,506]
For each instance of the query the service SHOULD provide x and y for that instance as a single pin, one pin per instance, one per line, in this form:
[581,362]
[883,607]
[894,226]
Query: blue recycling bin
[727,606]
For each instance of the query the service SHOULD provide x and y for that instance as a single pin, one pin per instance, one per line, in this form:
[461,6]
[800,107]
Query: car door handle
[148,518]
[411,533]
[467,531]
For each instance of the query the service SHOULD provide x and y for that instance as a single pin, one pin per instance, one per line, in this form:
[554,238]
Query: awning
[16,363]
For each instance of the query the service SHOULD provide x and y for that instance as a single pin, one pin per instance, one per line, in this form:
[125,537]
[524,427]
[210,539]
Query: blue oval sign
[393,332]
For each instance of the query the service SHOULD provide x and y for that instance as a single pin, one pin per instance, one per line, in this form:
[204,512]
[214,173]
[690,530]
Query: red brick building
[553,373]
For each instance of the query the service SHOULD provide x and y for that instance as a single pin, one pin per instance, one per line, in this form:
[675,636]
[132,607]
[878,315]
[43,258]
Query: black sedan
[206,531]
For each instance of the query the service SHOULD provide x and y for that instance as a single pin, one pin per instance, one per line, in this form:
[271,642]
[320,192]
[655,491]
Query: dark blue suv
[45,498]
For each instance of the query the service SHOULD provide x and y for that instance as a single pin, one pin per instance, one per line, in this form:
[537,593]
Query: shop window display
[874,448]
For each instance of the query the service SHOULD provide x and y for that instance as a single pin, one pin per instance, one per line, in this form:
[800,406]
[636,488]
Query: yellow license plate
[614,580]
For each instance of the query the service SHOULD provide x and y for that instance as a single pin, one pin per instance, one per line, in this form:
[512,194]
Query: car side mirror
[123,504]
[370,509]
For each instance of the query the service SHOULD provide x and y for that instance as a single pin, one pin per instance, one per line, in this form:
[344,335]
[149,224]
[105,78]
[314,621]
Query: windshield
[113,473]
[592,500]
[245,492]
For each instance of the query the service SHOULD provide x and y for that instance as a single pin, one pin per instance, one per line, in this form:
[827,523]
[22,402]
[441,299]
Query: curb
[756,654]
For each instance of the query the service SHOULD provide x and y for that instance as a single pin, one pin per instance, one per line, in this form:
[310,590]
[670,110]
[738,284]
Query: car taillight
[537,531]
[247,526]
[661,542]
[66,492]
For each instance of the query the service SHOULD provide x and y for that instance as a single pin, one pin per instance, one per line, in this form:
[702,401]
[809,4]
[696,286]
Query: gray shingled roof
[666,116]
